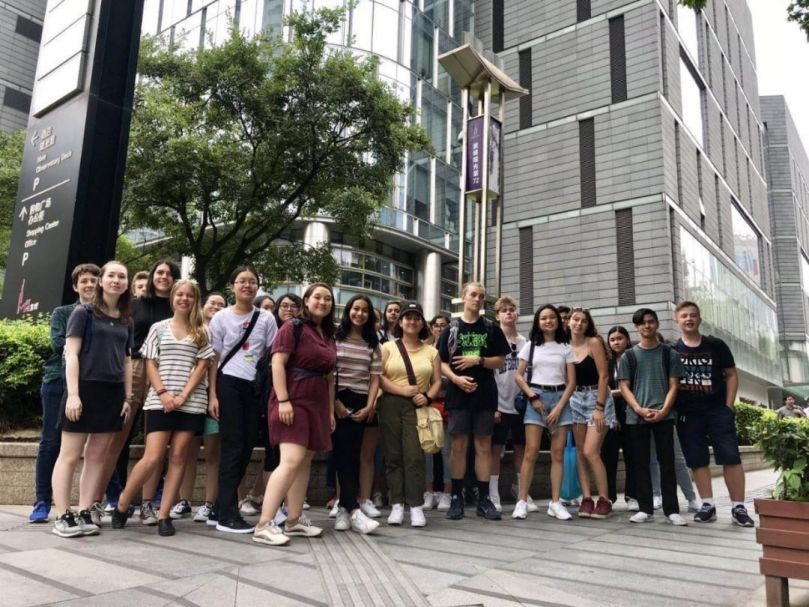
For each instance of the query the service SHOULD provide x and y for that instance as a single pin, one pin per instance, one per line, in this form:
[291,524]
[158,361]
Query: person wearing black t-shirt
[471,350]
[706,417]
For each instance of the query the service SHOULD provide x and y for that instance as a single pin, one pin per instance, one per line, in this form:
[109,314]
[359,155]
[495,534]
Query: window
[582,10]
[745,245]
[526,79]
[527,270]
[587,162]
[625,256]
[498,25]
[687,26]
[17,100]
[692,100]
[29,29]
[617,59]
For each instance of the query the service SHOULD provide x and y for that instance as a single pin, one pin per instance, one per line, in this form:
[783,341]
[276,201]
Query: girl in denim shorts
[548,386]
[593,410]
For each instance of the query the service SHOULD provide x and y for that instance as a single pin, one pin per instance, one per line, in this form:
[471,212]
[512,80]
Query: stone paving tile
[19,590]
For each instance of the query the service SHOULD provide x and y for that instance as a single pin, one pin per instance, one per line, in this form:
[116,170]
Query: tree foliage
[797,11]
[232,144]
[11,148]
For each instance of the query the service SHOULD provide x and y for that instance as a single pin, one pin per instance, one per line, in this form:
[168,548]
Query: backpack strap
[632,360]
[411,376]
[667,360]
[529,370]
[244,338]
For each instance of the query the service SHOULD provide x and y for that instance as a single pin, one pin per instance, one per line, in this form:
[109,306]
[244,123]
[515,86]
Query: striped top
[356,362]
[176,359]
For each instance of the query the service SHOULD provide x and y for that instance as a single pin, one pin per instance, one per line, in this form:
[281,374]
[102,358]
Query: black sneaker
[237,525]
[487,510]
[165,527]
[705,514]
[119,518]
[213,517]
[86,524]
[740,516]
[455,511]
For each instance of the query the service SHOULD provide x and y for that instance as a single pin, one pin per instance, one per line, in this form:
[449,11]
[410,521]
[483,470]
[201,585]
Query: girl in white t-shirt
[552,381]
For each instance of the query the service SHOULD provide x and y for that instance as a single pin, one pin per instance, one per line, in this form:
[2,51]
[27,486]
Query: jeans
[641,438]
[238,431]
[680,471]
[404,458]
[51,395]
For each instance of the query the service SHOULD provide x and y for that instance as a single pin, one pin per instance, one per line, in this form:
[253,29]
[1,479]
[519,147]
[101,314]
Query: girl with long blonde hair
[178,353]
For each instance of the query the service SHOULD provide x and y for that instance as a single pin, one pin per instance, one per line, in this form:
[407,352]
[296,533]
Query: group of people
[290,375]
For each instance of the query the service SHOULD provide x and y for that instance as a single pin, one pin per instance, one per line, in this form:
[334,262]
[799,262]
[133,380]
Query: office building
[20,32]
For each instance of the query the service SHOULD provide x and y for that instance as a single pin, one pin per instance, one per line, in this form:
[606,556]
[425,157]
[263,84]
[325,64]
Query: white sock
[734,504]
[494,485]
[708,500]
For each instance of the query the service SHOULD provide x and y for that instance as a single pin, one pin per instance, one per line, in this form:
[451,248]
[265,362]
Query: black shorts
[101,404]
[478,422]
[714,426]
[158,420]
[509,422]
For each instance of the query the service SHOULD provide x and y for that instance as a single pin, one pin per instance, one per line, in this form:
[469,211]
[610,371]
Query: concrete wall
[19,47]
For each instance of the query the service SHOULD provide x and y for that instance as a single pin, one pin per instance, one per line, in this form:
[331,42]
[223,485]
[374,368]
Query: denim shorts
[583,405]
[549,401]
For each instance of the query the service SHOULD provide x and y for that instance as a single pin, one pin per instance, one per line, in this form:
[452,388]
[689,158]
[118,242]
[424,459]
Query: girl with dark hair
[548,389]
[213,303]
[98,374]
[618,342]
[404,458]
[264,302]
[146,310]
[240,335]
[593,410]
[390,317]
[359,365]
[301,413]
[288,307]
[178,354]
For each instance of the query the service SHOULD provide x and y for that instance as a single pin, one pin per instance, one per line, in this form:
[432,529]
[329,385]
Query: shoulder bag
[521,400]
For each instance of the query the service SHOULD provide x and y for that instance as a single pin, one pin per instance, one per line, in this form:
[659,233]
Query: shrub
[746,418]
[785,444]
[24,347]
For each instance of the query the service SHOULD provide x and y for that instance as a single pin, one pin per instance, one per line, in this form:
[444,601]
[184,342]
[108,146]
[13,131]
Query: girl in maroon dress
[301,412]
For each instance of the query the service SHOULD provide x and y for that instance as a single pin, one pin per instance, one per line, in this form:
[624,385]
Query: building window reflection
[745,245]
[691,101]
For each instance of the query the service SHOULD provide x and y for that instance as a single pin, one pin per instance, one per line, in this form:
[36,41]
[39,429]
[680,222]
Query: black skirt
[158,420]
[101,408]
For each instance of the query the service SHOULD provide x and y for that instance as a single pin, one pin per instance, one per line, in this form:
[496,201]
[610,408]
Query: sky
[782,54]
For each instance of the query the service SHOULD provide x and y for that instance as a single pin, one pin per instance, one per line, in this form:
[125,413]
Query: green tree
[232,144]
[797,11]
[11,147]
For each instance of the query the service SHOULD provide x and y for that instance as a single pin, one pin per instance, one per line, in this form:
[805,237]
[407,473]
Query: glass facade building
[419,221]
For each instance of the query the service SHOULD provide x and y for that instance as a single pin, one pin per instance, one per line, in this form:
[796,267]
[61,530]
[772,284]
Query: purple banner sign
[474,154]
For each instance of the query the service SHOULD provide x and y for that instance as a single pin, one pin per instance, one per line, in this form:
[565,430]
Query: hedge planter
[784,536]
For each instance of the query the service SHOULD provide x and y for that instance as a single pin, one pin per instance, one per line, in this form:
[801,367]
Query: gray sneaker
[86,524]
[66,525]
[147,514]
[97,513]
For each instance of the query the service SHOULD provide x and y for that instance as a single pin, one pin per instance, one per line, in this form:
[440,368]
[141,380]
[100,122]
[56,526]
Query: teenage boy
[84,278]
[650,373]
[506,419]
[471,349]
[705,407]
[790,408]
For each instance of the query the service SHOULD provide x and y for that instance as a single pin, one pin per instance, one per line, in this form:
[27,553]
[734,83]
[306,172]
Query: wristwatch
[429,400]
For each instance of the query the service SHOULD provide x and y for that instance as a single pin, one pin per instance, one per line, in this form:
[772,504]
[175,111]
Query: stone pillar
[429,283]
[315,233]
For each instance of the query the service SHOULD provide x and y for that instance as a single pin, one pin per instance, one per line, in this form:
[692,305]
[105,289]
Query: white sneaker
[496,501]
[532,507]
[640,517]
[362,524]
[246,507]
[369,510]
[335,509]
[632,505]
[342,521]
[520,510]
[303,527]
[444,502]
[306,505]
[203,512]
[677,520]
[417,517]
[657,502]
[281,515]
[270,534]
[396,515]
[694,505]
[557,510]
[430,500]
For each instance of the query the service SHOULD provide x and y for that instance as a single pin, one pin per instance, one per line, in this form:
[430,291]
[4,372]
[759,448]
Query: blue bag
[571,488]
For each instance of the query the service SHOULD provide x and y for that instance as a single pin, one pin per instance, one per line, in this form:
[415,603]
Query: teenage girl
[178,354]
[552,381]
[98,374]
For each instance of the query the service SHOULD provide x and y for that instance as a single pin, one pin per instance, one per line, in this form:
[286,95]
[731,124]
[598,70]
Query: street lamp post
[481,81]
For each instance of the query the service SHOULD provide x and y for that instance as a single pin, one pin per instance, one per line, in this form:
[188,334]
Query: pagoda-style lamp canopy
[467,66]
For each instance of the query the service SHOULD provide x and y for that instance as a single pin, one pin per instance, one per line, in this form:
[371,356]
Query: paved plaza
[540,561]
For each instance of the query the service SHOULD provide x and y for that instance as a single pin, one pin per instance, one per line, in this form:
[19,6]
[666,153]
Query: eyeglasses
[440,325]
[288,306]
[250,283]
